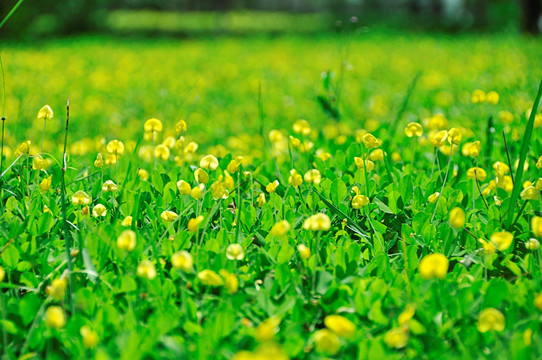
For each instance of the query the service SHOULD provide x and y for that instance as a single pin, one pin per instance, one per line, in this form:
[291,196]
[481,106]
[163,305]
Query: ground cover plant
[302,197]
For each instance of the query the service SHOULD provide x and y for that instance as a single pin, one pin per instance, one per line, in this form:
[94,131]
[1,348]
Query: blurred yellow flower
[146,270]
[90,337]
[454,136]
[54,317]
[2,273]
[302,127]
[490,319]
[360,201]
[414,129]
[488,246]
[267,329]
[57,289]
[532,244]
[109,186]
[407,314]
[99,162]
[201,176]
[492,97]
[115,147]
[317,222]
[471,149]
[182,260]
[438,138]
[193,224]
[304,251]
[235,252]
[45,113]
[197,192]
[272,186]
[234,164]
[168,215]
[38,163]
[457,218]
[397,338]
[99,210]
[502,240]
[530,193]
[127,240]
[209,162]
[478,96]
[433,197]
[152,125]
[281,228]
[370,141]
[536,226]
[326,342]
[313,177]
[210,278]
[180,127]
[477,172]
[340,325]
[45,184]
[295,179]
[80,198]
[433,266]
[261,199]
[127,221]
[538,301]
[184,187]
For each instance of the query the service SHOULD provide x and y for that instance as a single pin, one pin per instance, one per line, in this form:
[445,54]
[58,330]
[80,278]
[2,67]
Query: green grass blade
[522,157]
[11,13]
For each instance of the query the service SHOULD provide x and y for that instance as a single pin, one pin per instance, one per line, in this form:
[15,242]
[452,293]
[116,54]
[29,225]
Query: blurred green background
[190,17]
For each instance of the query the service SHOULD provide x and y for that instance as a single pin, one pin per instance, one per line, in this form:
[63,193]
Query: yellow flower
[184,187]
[490,319]
[45,184]
[143,174]
[326,342]
[376,155]
[304,251]
[201,176]
[323,155]
[492,97]
[127,240]
[532,244]
[457,218]
[439,138]
[295,179]
[99,162]
[231,283]
[395,156]
[397,338]
[210,278]
[80,198]
[454,136]
[99,210]
[317,222]
[109,186]
[539,163]
[45,113]
[477,172]
[272,186]
[505,182]
[267,329]
[234,164]
[146,270]
[506,116]
[57,289]
[235,252]
[407,314]
[433,266]
[127,221]
[168,215]
[38,163]
[161,152]
[313,176]
[182,260]
[261,199]
[414,129]
[500,168]
[54,317]
[2,273]
[193,224]
[538,301]
[530,193]
[209,162]
[340,325]
[478,96]
[197,192]
[90,337]
[302,127]
[153,125]
[433,197]
[489,247]
[361,165]
[115,147]
[370,141]
[536,226]
[218,190]
[360,201]
[281,228]
[471,149]
[502,240]
[181,127]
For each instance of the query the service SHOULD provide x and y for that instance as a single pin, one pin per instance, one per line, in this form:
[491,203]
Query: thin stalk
[64,213]
[43,136]
[444,182]
[12,11]
[508,157]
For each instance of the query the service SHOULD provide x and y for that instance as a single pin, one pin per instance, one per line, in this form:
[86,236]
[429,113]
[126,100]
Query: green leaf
[337,192]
